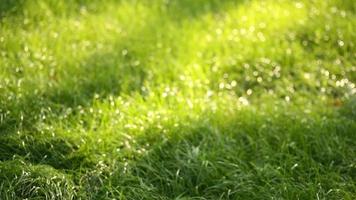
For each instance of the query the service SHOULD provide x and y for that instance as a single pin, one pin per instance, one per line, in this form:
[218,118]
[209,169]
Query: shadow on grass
[187,9]
[17,8]
[21,180]
[239,156]
[10,7]
[248,157]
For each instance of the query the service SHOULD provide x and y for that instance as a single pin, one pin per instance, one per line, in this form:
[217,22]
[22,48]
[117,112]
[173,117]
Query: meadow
[177,99]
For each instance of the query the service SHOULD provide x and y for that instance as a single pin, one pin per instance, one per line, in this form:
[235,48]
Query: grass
[177,99]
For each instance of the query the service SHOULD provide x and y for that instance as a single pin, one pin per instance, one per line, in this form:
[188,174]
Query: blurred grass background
[177,99]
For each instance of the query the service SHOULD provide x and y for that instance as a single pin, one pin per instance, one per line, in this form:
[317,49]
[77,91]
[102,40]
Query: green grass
[177,99]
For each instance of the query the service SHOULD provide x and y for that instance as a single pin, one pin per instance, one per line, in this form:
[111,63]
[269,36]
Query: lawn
[177,99]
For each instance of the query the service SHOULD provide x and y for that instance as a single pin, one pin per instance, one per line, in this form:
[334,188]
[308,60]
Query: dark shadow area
[349,5]
[33,182]
[241,158]
[56,152]
[187,9]
[17,8]
[10,7]
[348,109]
[215,158]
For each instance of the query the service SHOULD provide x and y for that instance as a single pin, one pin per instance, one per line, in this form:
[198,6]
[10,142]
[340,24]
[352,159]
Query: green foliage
[177,99]
[22,180]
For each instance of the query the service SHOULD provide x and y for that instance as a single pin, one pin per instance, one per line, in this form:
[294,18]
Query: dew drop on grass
[306,75]
[124,52]
[243,32]
[136,63]
[341,43]
[221,86]
[164,94]
[243,101]
[299,5]
[343,13]
[246,65]
[261,36]
[55,35]
[294,166]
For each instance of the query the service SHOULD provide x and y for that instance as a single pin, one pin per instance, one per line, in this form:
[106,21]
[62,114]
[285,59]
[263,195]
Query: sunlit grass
[177,99]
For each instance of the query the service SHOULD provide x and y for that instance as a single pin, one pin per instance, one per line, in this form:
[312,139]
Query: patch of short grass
[233,99]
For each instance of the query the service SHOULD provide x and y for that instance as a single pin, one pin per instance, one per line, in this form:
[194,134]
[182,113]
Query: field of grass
[177,99]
